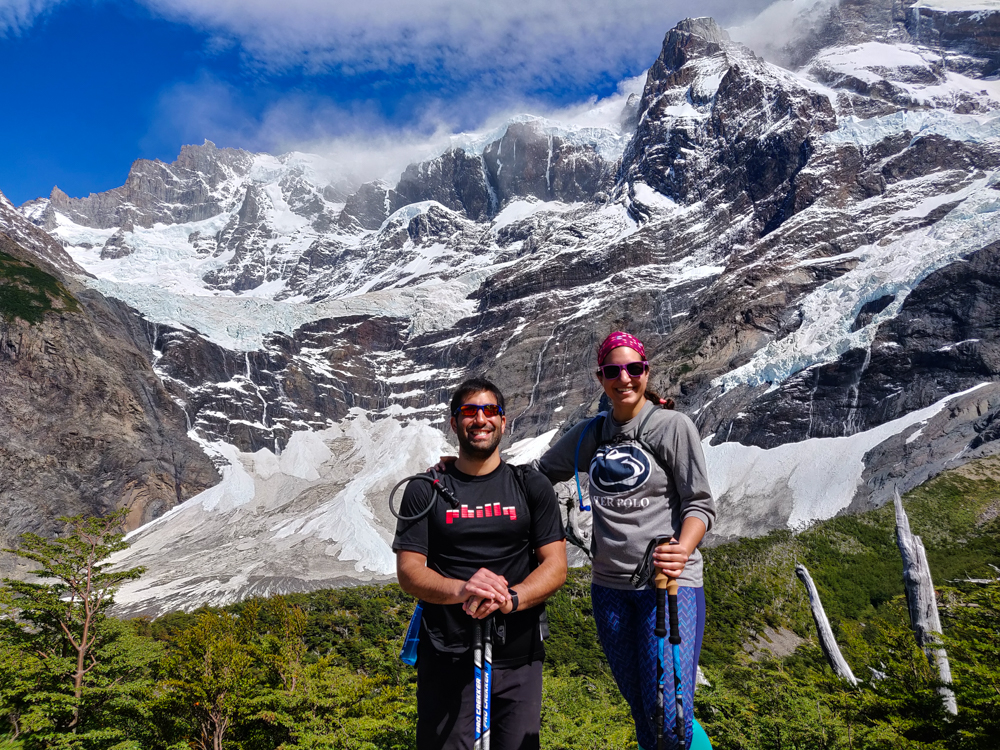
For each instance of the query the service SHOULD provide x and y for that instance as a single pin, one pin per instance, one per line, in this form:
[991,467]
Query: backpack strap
[637,437]
[642,425]
[518,470]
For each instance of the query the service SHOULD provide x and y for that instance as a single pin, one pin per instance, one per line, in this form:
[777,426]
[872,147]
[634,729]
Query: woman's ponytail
[666,403]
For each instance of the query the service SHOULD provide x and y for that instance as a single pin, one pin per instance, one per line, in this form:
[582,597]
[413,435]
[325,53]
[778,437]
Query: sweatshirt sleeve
[558,461]
[680,445]
[546,519]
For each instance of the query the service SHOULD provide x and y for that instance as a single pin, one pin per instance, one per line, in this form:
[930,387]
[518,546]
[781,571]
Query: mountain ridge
[776,237]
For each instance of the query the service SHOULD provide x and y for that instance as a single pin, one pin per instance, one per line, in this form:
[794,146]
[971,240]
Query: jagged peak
[405,214]
[704,27]
[605,139]
[688,40]
[208,157]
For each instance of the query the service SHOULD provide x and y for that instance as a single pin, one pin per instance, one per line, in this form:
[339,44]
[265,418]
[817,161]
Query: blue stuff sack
[409,653]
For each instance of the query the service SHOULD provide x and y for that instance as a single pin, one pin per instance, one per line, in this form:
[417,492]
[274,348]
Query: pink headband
[616,339]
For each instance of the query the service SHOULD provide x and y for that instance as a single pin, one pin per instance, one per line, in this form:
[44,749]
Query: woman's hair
[651,395]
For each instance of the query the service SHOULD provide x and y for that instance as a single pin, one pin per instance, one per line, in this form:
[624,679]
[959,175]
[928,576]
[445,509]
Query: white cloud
[354,137]
[535,44]
[772,32]
[16,16]
[464,64]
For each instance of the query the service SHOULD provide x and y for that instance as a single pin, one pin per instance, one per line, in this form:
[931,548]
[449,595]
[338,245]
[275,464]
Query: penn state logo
[618,469]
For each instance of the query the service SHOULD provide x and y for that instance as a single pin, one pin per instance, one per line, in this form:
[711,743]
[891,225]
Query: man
[502,552]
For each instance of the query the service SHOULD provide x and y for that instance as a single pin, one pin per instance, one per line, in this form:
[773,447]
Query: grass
[751,584]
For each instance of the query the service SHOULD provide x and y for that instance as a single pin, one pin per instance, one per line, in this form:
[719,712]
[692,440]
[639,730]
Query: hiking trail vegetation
[321,670]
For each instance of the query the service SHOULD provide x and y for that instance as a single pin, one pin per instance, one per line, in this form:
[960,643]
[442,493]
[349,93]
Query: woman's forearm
[692,532]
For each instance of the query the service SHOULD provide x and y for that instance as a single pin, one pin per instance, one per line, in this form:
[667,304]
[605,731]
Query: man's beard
[478,451]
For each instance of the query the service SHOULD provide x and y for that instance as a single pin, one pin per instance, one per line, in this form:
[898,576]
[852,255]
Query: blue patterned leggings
[625,623]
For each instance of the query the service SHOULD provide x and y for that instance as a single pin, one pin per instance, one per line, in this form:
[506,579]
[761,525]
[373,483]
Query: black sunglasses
[634,369]
[470,410]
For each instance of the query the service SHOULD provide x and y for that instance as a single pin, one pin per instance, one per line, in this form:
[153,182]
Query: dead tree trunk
[701,679]
[826,639]
[922,603]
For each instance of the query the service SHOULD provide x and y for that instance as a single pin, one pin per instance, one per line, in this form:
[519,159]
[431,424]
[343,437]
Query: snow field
[318,511]
[315,514]
[820,476]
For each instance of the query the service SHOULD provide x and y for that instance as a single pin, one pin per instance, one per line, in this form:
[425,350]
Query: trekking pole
[487,680]
[477,665]
[666,589]
[660,632]
[482,661]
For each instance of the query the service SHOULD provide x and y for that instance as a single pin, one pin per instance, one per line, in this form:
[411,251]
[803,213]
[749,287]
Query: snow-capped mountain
[809,253]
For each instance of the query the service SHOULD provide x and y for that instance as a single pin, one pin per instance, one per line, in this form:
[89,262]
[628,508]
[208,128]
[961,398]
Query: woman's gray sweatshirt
[637,496]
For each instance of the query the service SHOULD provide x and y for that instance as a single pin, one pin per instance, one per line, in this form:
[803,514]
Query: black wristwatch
[513,601]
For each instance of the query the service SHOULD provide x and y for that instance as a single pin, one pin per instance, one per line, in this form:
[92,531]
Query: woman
[647,480]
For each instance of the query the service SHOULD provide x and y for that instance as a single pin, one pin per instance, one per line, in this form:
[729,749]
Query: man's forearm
[416,579]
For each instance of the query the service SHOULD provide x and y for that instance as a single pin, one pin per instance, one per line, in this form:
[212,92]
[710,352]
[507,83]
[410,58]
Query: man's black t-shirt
[495,527]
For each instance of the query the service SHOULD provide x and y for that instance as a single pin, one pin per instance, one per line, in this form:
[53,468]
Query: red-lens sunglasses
[470,410]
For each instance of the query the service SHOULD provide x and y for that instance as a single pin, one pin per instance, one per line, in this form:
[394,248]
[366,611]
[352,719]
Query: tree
[55,637]
[974,621]
[212,678]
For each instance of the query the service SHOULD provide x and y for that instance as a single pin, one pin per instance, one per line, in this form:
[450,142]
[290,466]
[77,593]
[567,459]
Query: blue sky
[91,85]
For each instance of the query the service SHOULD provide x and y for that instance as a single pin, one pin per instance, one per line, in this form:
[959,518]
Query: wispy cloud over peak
[523,42]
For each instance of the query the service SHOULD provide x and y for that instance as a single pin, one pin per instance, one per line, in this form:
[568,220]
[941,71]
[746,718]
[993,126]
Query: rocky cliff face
[808,253]
[971,38]
[85,425]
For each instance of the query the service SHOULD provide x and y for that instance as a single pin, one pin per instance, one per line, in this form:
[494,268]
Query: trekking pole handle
[673,586]
[661,582]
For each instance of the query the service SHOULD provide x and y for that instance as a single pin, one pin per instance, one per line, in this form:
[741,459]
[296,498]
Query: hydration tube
[432,477]
[576,465]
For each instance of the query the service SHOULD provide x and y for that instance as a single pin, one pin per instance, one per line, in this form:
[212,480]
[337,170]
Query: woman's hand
[442,465]
[671,558]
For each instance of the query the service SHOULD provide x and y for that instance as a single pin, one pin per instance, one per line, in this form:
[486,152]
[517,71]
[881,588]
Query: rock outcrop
[189,189]
[85,425]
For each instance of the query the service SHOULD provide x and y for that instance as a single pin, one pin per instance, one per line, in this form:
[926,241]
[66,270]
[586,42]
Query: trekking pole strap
[645,570]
